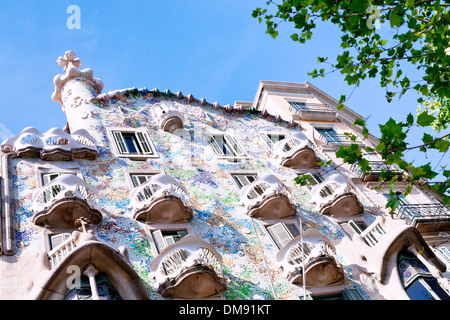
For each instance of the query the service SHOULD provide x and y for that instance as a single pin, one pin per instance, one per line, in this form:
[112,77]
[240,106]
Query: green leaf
[424,119]
[427,138]
[410,119]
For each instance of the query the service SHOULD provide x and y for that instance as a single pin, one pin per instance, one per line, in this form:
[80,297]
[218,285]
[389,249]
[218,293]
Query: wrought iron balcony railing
[336,138]
[312,111]
[376,168]
[412,213]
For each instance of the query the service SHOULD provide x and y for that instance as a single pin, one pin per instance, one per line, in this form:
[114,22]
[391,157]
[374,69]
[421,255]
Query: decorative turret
[75,90]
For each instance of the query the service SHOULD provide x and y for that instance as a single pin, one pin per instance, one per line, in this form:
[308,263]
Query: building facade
[149,194]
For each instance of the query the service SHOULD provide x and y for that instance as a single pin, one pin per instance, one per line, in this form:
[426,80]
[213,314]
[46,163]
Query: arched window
[417,280]
[83,291]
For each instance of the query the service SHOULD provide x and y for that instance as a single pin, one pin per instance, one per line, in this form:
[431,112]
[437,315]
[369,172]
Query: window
[139,178]
[418,280]
[445,251]
[57,239]
[313,179]
[132,143]
[330,135]
[104,288]
[351,227]
[243,179]
[297,106]
[282,233]
[46,179]
[426,288]
[224,145]
[272,138]
[165,238]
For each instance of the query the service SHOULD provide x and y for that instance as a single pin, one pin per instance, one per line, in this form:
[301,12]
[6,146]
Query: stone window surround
[249,172]
[69,168]
[164,227]
[128,174]
[232,136]
[115,149]
[269,222]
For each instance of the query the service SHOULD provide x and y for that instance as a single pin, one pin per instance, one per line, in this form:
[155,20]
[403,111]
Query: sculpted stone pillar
[91,272]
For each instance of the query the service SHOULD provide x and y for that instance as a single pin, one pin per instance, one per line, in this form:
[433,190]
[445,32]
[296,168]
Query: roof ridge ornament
[69,60]
[71,71]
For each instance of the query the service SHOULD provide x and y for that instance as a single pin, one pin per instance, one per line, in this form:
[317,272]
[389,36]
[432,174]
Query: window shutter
[231,143]
[445,252]
[143,143]
[267,139]
[120,142]
[244,179]
[48,177]
[280,234]
[57,239]
[139,179]
[161,243]
[182,234]
[355,227]
[170,240]
[213,143]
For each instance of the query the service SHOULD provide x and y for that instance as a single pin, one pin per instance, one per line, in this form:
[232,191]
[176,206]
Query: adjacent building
[150,194]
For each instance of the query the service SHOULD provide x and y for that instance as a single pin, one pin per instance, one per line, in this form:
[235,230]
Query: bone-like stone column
[91,272]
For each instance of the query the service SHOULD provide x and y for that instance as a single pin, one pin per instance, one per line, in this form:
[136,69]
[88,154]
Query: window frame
[269,142]
[232,173]
[354,225]
[149,229]
[271,223]
[145,138]
[229,139]
[130,173]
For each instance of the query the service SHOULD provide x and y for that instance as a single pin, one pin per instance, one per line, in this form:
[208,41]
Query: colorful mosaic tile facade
[219,218]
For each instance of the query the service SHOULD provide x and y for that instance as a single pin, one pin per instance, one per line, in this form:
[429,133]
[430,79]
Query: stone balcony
[267,198]
[296,151]
[189,269]
[168,119]
[161,199]
[54,145]
[334,196]
[314,260]
[63,201]
[376,168]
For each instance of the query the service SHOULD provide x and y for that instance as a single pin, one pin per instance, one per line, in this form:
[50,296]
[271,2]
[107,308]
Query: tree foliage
[418,42]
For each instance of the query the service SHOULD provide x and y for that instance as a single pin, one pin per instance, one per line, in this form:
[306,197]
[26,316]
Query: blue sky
[212,49]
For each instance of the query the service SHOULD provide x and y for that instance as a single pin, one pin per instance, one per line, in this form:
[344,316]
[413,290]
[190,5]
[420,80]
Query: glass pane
[417,291]
[131,143]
